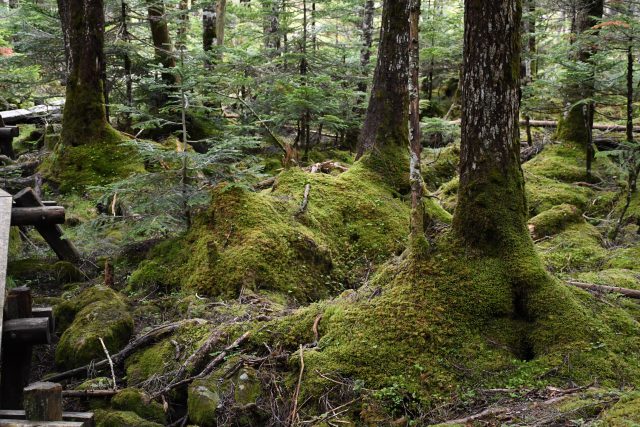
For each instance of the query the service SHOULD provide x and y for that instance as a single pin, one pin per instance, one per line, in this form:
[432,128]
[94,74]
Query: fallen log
[88,393]
[37,216]
[31,115]
[629,293]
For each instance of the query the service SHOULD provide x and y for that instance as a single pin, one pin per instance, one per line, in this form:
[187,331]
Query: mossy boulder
[262,242]
[440,165]
[217,397]
[137,401]
[554,220]
[107,318]
[109,418]
[66,311]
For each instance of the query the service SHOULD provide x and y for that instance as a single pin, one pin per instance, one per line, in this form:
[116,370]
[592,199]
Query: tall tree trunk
[162,44]
[367,39]
[271,25]
[491,210]
[126,37]
[388,112]
[305,120]
[183,24]
[415,173]
[84,117]
[630,90]
[577,123]
[221,11]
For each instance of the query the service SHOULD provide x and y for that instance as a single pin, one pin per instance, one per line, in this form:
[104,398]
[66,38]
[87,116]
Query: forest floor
[252,263]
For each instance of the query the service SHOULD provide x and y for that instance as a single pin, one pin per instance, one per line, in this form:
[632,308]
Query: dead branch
[208,369]
[629,293]
[88,393]
[113,372]
[144,340]
[294,411]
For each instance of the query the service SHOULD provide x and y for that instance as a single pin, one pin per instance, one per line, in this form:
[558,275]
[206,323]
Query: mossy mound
[625,413]
[554,220]
[161,358]
[98,162]
[262,241]
[106,315]
[109,418]
[625,258]
[232,398]
[455,322]
[134,400]
[577,248]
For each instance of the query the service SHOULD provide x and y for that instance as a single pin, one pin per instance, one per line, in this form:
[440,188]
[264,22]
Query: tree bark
[415,145]
[367,39]
[388,112]
[271,11]
[162,44]
[491,209]
[84,117]
[577,122]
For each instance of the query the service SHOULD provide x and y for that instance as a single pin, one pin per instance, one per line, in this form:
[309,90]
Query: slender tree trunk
[183,24]
[415,173]
[271,25]
[84,117]
[126,37]
[221,11]
[305,120]
[491,210]
[630,90]
[314,37]
[367,40]
[388,112]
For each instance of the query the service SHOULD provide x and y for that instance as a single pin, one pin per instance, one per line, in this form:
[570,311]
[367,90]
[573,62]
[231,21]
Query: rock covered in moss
[137,401]
[109,418]
[217,397]
[577,248]
[554,220]
[102,313]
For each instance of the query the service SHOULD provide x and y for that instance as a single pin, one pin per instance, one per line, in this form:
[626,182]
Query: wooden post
[5,215]
[16,356]
[37,216]
[43,402]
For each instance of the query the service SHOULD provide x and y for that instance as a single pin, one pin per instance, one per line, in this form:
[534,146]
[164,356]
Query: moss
[458,322]
[624,258]
[439,166]
[261,242]
[137,401]
[620,277]
[161,357]
[108,319]
[571,127]
[554,220]
[218,397]
[625,413]
[108,418]
[66,311]
[104,160]
[15,243]
[30,269]
[544,193]
[577,248]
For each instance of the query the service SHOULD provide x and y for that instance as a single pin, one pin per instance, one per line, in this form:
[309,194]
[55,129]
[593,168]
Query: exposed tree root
[629,293]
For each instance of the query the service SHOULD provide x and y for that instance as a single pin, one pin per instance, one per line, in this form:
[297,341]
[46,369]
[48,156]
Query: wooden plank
[44,215]
[86,418]
[5,216]
[9,132]
[24,423]
[33,331]
[64,249]
[46,312]
[33,114]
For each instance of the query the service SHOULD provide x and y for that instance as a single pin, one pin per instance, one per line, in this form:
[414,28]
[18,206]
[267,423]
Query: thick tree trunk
[491,209]
[84,117]
[388,112]
[209,18]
